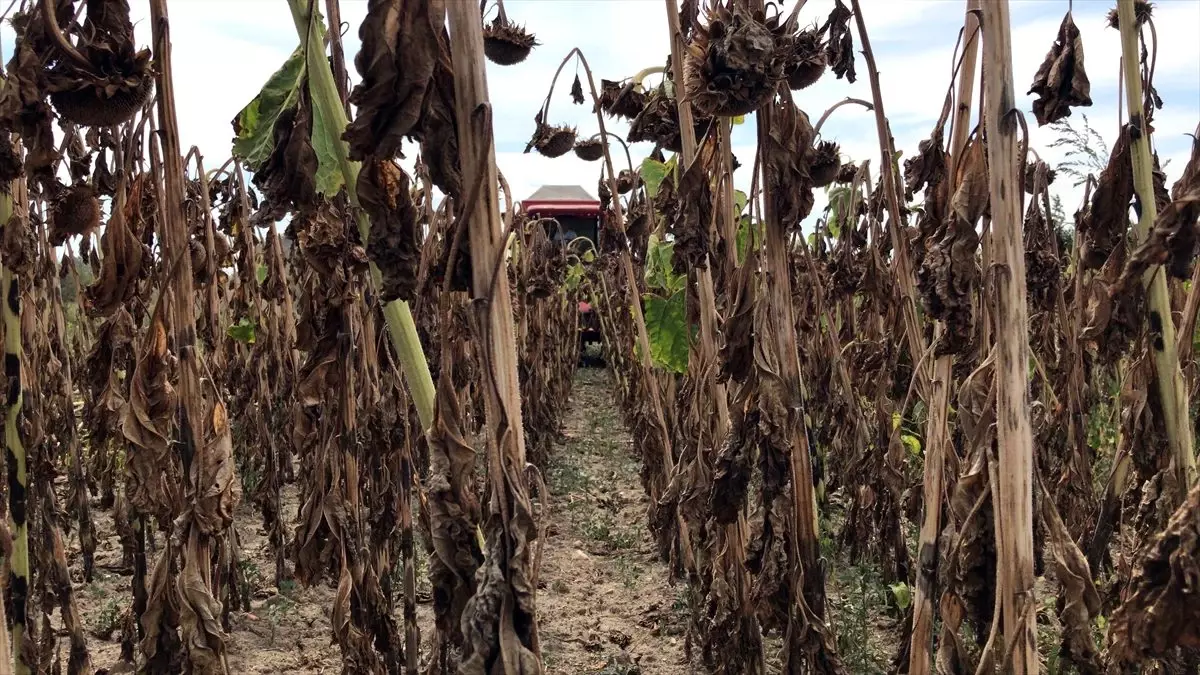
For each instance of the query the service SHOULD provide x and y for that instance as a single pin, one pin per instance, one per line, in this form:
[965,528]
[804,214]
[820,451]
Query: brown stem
[835,106]
[658,417]
[1014,433]
[937,427]
[340,78]
[196,546]
[495,325]
[61,40]
[904,272]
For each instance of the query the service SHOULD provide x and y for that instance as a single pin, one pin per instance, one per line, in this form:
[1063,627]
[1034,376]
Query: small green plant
[566,477]
[108,620]
[287,587]
[251,576]
[628,571]
[278,607]
[600,527]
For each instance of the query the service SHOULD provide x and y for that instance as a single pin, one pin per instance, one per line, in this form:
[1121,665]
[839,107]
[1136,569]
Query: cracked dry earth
[604,603]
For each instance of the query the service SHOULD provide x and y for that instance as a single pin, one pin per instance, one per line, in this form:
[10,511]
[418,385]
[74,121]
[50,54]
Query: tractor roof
[561,193]
[562,200]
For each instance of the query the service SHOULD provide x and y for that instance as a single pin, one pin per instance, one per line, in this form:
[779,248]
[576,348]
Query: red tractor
[578,215]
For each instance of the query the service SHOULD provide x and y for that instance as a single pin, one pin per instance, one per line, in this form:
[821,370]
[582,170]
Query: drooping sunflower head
[506,43]
[553,141]
[825,164]
[807,60]
[589,149]
[733,62]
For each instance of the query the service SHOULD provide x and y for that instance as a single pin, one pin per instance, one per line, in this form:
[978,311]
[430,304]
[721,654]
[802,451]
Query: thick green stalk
[1171,391]
[401,327]
[18,476]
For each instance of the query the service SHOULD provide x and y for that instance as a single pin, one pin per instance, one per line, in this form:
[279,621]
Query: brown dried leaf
[785,163]
[492,644]
[288,177]
[393,245]
[1172,240]
[151,468]
[687,210]
[1061,82]
[23,109]
[1161,610]
[577,91]
[839,50]
[400,48]
[1078,602]
[453,511]
[621,100]
[199,611]
[658,122]
[218,490]
[949,272]
[1103,225]
[970,199]
[733,468]
[160,641]
[438,131]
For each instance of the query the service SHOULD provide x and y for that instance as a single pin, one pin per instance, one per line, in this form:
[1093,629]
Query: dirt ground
[604,602]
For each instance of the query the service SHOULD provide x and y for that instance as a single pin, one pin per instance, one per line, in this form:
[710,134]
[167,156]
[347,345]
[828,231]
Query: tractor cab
[576,211]
[570,213]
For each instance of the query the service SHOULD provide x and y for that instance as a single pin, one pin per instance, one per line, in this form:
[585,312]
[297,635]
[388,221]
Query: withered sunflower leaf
[1061,82]
[1159,612]
[577,91]
[400,48]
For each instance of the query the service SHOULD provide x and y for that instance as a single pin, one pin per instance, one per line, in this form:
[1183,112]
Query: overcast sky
[225,49]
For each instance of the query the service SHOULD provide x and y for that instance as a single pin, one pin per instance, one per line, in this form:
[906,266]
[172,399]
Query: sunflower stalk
[705,348]
[936,436]
[1014,532]
[510,635]
[17,585]
[401,327]
[658,417]
[1167,370]
[891,191]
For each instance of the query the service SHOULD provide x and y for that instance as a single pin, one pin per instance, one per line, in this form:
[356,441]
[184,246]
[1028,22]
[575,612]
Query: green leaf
[243,331]
[749,234]
[740,200]
[260,273]
[654,173]
[912,444]
[660,274]
[329,175]
[255,124]
[902,593]
[667,328]
[737,119]
[574,276]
